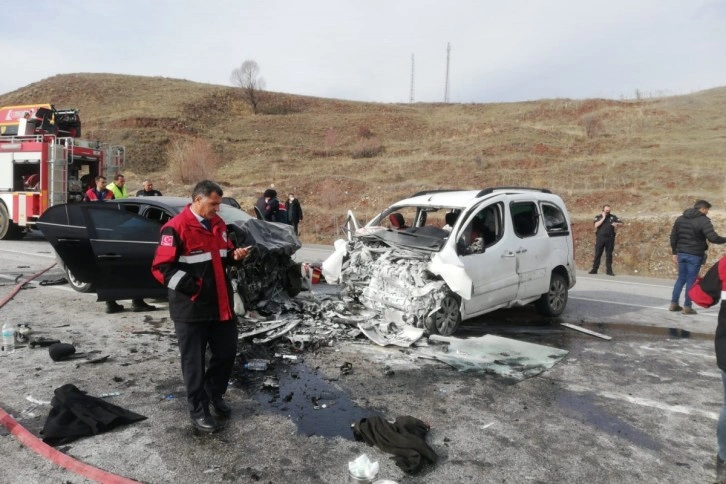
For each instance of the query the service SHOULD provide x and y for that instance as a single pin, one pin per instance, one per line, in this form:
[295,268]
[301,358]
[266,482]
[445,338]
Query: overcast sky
[504,50]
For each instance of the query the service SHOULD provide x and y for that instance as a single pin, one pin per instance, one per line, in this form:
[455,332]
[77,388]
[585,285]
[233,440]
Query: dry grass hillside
[648,158]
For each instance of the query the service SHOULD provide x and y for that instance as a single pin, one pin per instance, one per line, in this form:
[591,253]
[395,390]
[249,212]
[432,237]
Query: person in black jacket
[689,247]
[294,212]
[605,225]
[720,344]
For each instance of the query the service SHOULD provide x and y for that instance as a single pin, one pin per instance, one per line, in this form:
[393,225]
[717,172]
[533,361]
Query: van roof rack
[428,192]
[489,190]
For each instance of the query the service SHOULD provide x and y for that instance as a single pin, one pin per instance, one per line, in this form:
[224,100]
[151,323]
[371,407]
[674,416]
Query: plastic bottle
[256,365]
[8,337]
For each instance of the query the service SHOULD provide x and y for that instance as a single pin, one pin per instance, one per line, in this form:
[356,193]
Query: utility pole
[412,71]
[446,88]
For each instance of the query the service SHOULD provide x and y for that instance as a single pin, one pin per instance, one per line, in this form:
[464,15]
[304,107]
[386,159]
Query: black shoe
[720,470]
[221,408]
[611,273]
[206,424]
[113,307]
[594,271]
[140,305]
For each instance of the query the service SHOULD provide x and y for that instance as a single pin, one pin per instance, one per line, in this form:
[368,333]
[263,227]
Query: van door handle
[109,256]
[69,240]
[508,253]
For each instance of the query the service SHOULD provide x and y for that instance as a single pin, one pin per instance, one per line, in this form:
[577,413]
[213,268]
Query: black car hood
[267,237]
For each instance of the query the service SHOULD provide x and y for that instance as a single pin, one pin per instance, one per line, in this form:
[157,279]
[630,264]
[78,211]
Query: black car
[109,246]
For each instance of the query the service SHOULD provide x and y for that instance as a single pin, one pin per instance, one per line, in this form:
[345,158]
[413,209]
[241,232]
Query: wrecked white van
[438,257]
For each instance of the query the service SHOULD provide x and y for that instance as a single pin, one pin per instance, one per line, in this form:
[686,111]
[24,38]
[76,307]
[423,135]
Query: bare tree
[247,77]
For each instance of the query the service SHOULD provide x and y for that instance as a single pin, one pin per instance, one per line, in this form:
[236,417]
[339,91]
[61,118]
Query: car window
[524,218]
[122,225]
[554,219]
[484,230]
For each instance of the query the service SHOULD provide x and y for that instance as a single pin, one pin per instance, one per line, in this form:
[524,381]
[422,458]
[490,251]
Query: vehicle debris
[385,333]
[587,331]
[506,357]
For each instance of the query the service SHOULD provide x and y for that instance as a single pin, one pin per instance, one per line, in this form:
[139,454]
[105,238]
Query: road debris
[587,331]
[493,354]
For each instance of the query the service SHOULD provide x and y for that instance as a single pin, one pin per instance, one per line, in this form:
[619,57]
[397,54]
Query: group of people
[689,239]
[117,189]
[268,207]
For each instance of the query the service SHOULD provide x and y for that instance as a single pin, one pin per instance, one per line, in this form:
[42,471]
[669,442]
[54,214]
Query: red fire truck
[44,162]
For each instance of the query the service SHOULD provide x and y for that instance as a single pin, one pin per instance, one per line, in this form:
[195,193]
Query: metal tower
[448,55]
[412,71]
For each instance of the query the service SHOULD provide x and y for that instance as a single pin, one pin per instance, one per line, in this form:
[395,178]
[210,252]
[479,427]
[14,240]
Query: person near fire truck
[118,187]
[148,190]
[99,192]
[190,261]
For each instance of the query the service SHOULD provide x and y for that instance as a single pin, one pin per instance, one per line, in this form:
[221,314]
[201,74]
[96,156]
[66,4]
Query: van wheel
[78,285]
[553,303]
[447,319]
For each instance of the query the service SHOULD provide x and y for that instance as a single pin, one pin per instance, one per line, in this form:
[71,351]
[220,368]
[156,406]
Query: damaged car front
[395,270]
[442,256]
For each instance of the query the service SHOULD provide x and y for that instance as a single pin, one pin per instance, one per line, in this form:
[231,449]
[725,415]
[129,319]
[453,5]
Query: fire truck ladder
[61,154]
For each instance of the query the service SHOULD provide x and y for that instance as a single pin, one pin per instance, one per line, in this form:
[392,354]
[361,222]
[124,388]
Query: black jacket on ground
[690,232]
[75,415]
[405,438]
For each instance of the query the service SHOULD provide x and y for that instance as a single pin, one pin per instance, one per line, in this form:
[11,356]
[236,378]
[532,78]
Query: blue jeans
[721,426]
[688,268]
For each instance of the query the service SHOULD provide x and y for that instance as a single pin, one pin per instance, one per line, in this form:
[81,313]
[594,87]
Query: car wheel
[78,285]
[447,319]
[553,303]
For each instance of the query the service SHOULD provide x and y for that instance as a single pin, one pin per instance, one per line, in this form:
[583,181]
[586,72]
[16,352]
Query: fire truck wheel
[7,227]
[76,284]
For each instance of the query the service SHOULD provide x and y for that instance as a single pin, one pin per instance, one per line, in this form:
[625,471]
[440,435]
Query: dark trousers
[203,385]
[294,224]
[606,244]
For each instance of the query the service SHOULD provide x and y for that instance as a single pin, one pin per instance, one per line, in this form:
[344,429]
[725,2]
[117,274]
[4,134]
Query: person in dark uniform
[190,260]
[148,190]
[294,212]
[605,225]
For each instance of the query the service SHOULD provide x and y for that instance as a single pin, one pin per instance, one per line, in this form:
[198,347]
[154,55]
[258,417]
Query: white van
[439,257]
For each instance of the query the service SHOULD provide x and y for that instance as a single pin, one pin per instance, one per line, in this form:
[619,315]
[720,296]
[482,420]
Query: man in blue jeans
[688,246]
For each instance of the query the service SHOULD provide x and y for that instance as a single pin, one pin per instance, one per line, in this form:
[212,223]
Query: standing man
[689,247]
[100,192]
[720,343]
[294,211]
[118,187]
[148,190]
[605,225]
[190,260]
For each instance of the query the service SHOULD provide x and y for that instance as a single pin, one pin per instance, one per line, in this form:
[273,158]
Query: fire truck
[45,162]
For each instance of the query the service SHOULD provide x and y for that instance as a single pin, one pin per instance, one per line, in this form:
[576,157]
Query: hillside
[649,158]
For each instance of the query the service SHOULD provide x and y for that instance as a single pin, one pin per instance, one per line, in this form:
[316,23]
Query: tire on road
[447,319]
[78,285]
[553,302]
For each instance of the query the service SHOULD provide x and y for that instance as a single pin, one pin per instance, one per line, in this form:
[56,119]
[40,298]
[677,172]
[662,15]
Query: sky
[500,51]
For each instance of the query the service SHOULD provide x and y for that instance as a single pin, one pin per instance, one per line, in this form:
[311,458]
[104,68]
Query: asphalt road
[641,407]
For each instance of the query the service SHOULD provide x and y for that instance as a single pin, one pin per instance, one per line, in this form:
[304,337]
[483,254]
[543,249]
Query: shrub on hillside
[592,124]
[367,148]
[192,160]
